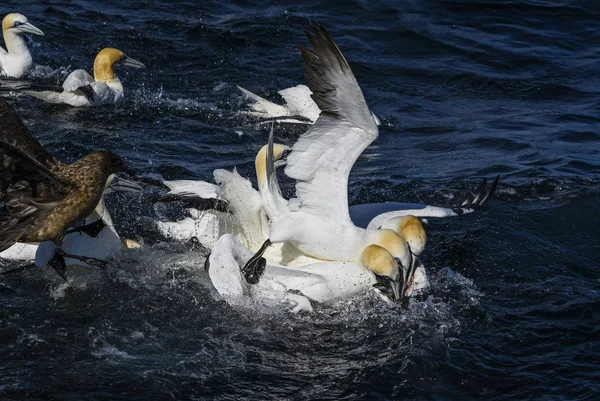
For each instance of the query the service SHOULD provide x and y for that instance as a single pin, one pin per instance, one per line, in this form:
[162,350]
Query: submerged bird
[16,60]
[81,89]
[299,107]
[44,199]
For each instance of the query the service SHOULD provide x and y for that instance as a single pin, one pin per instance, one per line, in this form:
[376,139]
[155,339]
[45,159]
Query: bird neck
[103,71]
[100,212]
[15,44]
[260,164]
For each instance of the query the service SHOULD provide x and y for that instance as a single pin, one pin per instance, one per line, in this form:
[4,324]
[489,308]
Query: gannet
[298,285]
[81,89]
[42,198]
[299,107]
[317,221]
[16,60]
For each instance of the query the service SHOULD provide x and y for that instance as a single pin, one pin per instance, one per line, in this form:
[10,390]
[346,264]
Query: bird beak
[388,288]
[29,28]
[396,290]
[130,62]
[406,275]
[119,184]
[377,120]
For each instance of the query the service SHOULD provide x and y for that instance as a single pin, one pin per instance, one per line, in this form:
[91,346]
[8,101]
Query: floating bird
[81,89]
[16,60]
[44,199]
[299,107]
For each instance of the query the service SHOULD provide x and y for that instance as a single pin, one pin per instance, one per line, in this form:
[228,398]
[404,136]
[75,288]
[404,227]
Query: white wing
[299,101]
[2,51]
[323,156]
[201,189]
[76,80]
[374,215]
[404,209]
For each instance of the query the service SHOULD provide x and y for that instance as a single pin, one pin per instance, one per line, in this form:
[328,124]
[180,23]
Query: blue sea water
[466,89]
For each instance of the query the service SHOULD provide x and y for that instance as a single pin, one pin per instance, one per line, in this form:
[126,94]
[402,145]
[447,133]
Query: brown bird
[41,197]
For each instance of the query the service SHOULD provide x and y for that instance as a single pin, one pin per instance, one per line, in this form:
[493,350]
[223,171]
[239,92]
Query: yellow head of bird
[385,267]
[395,245]
[260,163]
[411,229]
[380,262]
[107,59]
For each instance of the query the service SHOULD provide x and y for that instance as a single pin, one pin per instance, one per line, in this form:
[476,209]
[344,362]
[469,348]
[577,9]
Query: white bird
[299,107]
[231,206]
[313,280]
[81,89]
[317,221]
[16,60]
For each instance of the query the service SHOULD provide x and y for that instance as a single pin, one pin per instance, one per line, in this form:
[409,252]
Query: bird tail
[46,96]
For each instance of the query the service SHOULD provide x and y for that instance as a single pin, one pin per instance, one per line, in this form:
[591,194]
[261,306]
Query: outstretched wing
[15,133]
[374,215]
[323,156]
[28,192]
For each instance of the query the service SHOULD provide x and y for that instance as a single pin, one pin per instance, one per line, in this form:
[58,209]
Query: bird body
[42,204]
[81,89]
[43,199]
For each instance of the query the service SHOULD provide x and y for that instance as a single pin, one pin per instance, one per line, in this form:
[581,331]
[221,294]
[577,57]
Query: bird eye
[17,23]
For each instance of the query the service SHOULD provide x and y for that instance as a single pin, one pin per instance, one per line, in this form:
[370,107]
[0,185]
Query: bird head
[385,268]
[109,58]
[18,24]
[260,163]
[411,229]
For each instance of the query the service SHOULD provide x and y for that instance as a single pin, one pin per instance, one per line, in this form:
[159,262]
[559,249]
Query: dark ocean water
[466,89]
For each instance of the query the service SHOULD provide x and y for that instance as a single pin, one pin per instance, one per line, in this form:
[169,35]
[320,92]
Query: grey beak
[130,62]
[29,28]
[396,290]
[377,120]
[122,185]
[406,274]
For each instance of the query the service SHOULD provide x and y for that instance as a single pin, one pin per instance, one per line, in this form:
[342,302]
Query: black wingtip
[479,196]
